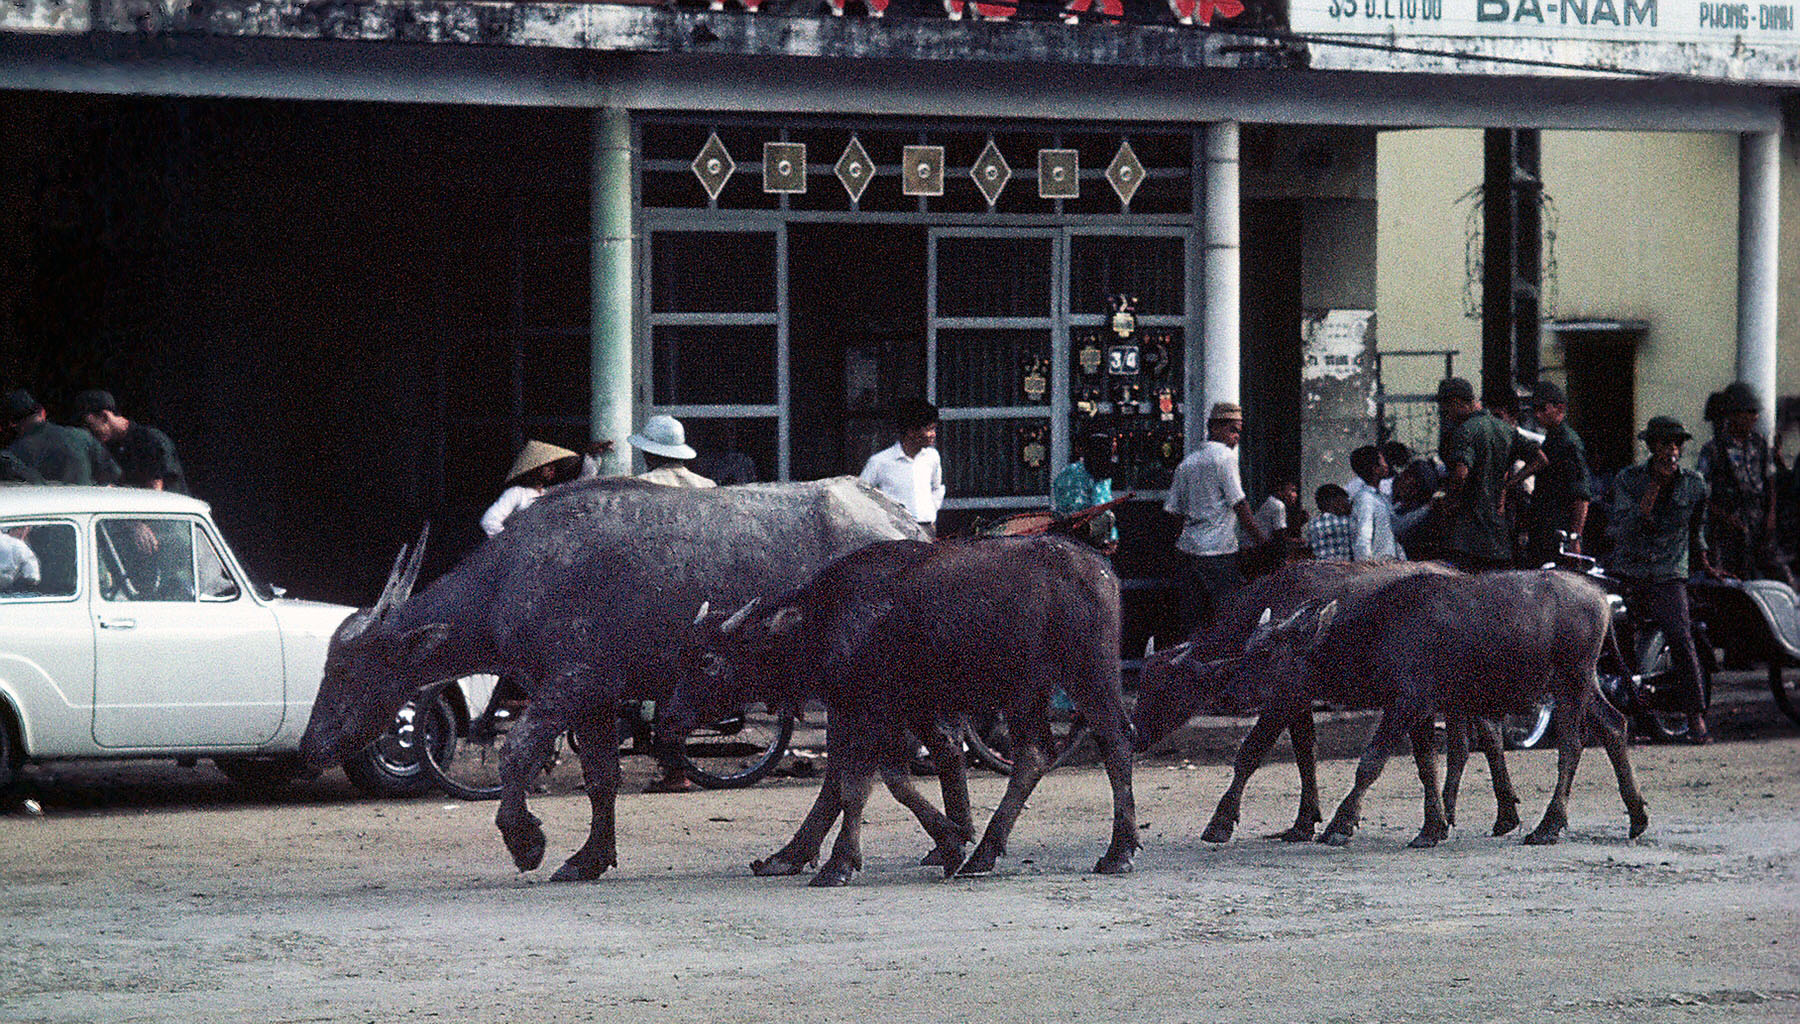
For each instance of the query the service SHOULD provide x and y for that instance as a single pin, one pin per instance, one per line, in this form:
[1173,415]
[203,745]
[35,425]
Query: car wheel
[391,765]
[9,760]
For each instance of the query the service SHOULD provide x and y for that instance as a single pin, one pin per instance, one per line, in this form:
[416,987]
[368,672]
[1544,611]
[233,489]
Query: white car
[128,629]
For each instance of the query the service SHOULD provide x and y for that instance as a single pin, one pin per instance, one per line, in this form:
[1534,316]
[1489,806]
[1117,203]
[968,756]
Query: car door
[46,634]
[184,656]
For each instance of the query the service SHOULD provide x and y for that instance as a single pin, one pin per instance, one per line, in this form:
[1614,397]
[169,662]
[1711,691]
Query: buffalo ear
[784,620]
[418,644]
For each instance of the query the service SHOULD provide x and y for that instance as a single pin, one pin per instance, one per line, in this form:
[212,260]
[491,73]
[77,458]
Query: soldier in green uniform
[57,453]
[1656,514]
[1561,500]
[1479,454]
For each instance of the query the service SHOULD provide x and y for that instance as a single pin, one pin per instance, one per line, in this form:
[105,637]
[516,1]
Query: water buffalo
[1467,646]
[1207,673]
[583,598]
[993,625]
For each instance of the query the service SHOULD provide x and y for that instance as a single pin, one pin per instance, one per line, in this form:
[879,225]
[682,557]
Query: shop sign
[1636,21]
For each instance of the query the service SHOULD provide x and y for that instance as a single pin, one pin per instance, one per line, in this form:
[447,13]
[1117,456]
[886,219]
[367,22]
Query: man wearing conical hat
[538,466]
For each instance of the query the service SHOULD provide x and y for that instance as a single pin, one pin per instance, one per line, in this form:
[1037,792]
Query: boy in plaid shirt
[1332,533]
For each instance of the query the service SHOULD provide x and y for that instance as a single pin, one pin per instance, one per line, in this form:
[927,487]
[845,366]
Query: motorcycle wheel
[989,742]
[1530,729]
[1784,687]
[1654,655]
[464,759]
[738,751]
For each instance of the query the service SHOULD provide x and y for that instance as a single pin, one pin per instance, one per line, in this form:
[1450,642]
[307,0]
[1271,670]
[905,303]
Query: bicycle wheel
[740,750]
[989,740]
[464,759]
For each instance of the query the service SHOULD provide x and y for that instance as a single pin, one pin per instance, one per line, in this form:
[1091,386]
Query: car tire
[10,759]
[390,767]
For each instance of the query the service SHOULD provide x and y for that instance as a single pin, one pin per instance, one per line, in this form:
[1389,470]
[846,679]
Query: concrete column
[1220,343]
[1759,256]
[613,334]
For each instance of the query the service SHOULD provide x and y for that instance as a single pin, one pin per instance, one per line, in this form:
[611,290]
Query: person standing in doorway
[910,470]
[1656,514]
[145,455]
[1208,494]
[1560,502]
[1479,453]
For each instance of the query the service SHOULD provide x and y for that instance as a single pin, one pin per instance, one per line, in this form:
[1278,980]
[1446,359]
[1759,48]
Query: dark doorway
[1602,382]
[856,339]
[1270,336]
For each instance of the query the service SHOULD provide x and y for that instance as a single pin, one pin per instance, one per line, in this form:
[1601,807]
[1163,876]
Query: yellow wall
[1647,230]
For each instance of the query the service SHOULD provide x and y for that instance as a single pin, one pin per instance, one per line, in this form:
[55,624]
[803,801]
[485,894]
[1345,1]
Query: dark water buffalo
[1207,674]
[994,625]
[1468,646]
[583,598]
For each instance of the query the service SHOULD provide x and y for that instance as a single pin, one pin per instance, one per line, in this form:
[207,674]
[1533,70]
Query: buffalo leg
[1394,724]
[945,743]
[597,731]
[948,836]
[1610,726]
[1029,763]
[1506,800]
[1456,757]
[1424,747]
[854,783]
[528,748]
[1116,749]
[1567,720]
[1306,762]
[802,850]
[1250,755]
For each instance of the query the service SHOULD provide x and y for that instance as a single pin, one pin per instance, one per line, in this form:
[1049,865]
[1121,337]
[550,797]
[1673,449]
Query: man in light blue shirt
[1371,515]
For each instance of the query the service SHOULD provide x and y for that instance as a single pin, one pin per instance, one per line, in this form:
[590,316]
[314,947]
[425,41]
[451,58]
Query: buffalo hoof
[1335,838]
[980,864]
[574,870]
[1543,837]
[1505,822]
[1425,841]
[526,844]
[1297,834]
[1112,864]
[1218,832]
[775,867]
[832,876]
[1640,820]
[947,857]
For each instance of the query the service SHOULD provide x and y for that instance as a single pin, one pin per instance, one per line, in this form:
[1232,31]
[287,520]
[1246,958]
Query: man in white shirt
[910,471]
[1207,492]
[1371,514]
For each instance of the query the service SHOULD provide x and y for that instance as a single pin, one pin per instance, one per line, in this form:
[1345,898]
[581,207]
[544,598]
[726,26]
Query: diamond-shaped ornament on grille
[991,172]
[1059,174]
[1125,173]
[922,171]
[713,166]
[855,169]
[784,167]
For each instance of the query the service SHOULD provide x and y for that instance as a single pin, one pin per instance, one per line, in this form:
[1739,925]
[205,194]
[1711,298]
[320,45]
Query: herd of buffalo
[828,591]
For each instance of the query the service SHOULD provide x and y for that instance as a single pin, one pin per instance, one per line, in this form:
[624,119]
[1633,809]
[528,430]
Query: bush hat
[1663,428]
[662,435]
[1739,397]
[1225,411]
[1547,393]
[1455,389]
[89,402]
[536,455]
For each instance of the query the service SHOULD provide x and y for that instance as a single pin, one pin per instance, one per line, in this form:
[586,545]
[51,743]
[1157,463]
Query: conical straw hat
[535,455]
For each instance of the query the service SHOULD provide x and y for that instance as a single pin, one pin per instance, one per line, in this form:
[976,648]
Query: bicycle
[461,750]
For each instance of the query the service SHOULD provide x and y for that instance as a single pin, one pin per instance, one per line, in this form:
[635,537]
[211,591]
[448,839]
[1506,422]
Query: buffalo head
[1278,649]
[727,661]
[376,662]
[1173,686]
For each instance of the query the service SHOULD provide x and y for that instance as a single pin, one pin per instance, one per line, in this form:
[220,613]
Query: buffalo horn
[700,616]
[412,567]
[1150,647]
[1187,651]
[738,617]
[387,589]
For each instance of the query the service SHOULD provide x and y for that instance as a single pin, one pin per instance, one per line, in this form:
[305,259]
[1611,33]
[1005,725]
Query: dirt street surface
[154,893]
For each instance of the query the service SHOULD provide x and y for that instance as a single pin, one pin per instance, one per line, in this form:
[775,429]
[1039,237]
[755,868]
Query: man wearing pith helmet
[663,440]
